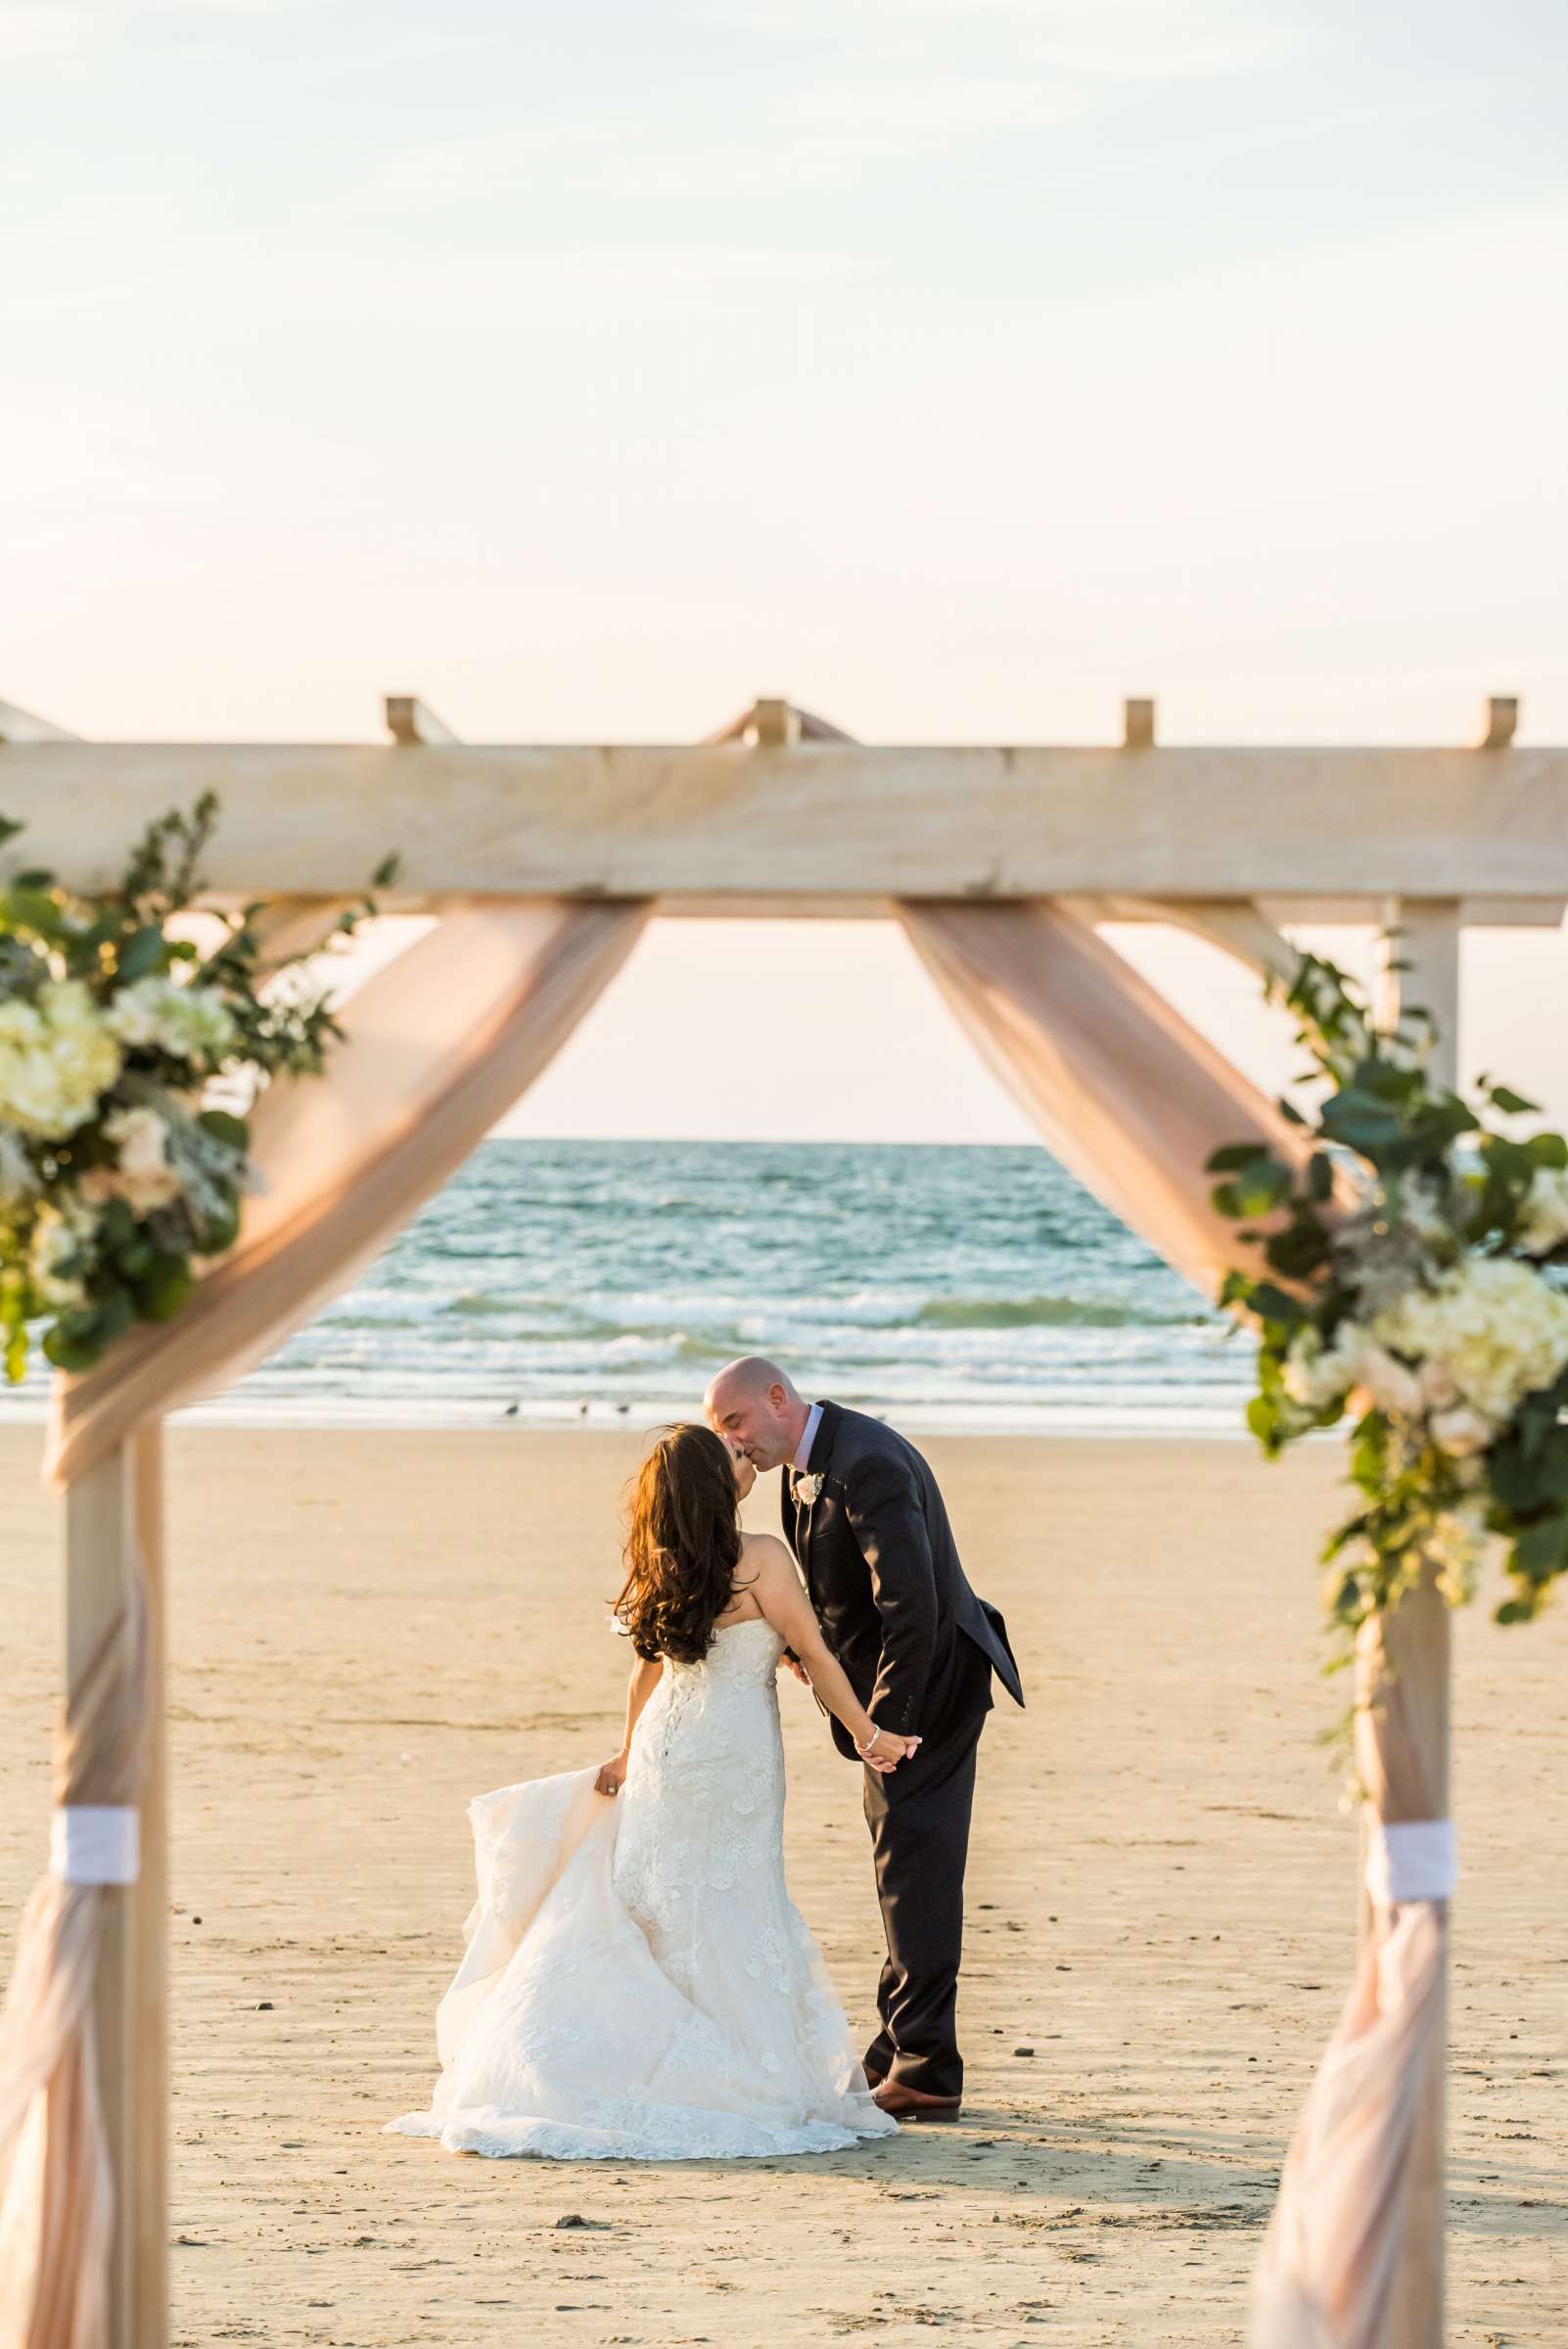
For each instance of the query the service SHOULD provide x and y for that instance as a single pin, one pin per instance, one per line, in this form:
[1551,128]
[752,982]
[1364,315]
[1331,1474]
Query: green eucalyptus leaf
[1542,1549]
[74,1342]
[144,954]
[35,909]
[164,1288]
[225,1128]
[219,1233]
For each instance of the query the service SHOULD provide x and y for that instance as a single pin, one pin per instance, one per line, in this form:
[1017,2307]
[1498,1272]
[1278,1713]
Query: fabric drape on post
[438,1046]
[1127,1093]
[1367,2154]
[441,1043]
[57,2211]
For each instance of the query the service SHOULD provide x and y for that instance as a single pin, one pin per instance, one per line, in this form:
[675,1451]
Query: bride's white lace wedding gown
[638,1984]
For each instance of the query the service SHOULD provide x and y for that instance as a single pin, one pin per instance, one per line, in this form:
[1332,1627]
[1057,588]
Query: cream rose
[1545,1224]
[146,1182]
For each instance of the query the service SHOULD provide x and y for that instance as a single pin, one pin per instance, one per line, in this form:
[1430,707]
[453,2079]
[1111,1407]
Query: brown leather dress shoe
[913,2104]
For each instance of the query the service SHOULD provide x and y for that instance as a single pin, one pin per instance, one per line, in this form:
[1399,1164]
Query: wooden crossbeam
[844,822]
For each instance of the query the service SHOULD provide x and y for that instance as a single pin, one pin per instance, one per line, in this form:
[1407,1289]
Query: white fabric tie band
[95,1843]
[1415,1859]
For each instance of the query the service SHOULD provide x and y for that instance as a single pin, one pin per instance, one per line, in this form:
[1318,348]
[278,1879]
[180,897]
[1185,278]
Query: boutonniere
[808,1488]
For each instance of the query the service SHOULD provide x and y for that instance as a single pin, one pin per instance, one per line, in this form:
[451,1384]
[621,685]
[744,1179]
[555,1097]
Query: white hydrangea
[144,1178]
[1493,1324]
[55,1259]
[1544,1225]
[56,1057]
[1462,1431]
[1318,1375]
[192,1023]
[18,1178]
[1455,1546]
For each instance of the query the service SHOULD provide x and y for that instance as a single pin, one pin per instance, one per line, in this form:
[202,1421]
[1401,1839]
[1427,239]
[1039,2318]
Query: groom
[867,1524]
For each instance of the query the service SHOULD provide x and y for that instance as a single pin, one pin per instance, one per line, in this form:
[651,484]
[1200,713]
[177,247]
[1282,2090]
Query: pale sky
[831,1032]
[954,367]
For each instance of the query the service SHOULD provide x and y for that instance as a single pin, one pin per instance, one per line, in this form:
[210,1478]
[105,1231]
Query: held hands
[790,1662]
[612,1778]
[884,1750]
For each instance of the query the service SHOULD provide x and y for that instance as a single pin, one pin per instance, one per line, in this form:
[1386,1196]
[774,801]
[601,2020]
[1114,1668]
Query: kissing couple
[637,1984]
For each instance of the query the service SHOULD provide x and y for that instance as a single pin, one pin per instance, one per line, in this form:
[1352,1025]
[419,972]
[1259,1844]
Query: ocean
[588,1282]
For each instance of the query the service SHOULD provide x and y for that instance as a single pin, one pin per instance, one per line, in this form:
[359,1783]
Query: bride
[637,1983]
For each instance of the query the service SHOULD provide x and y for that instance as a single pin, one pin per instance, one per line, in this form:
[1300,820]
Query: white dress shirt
[803,1450]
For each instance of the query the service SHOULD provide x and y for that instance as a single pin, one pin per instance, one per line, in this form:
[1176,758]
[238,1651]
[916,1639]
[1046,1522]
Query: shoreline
[1068,1423]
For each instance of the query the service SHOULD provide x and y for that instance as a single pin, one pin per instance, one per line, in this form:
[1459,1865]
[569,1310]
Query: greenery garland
[120,1170]
[1416,1283]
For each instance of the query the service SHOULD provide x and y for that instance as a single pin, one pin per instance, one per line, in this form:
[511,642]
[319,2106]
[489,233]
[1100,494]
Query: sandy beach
[369,1628]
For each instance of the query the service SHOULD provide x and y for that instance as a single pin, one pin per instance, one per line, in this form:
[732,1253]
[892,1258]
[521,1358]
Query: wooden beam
[1236,925]
[776,725]
[20,725]
[1416,1637]
[409,721]
[1502,719]
[100,1574]
[844,822]
[1422,934]
[149,1923]
[811,727]
[1137,725]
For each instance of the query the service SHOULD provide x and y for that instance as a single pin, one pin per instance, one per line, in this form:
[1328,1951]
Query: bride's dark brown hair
[683,1544]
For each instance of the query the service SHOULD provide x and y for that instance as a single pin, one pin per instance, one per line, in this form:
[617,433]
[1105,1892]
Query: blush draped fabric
[1125,1091]
[437,1046]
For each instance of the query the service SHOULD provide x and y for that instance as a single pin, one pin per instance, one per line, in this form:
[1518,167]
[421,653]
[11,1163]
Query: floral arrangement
[1418,1281]
[119,1169]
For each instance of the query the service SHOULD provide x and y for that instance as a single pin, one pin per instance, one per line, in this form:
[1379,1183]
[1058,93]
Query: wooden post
[150,1926]
[409,721]
[1137,725]
[1417,1649]
[776,724]
[1502,722]
[99,1579]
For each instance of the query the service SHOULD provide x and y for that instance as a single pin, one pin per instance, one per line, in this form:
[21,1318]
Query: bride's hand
[885,1749]
[613,1776]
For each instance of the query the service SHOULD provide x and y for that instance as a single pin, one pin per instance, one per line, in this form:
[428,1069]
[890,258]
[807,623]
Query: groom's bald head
[754,1404]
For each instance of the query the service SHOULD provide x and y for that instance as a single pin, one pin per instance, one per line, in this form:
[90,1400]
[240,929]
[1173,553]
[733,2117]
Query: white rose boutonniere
[808,1488]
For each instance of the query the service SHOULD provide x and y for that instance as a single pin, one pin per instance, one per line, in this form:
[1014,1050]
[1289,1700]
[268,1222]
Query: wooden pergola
[779,813]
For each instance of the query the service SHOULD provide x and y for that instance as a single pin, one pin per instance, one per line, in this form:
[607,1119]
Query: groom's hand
[792,1663]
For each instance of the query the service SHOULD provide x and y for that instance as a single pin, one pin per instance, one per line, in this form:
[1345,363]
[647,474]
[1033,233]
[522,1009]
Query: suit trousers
[920,1844]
